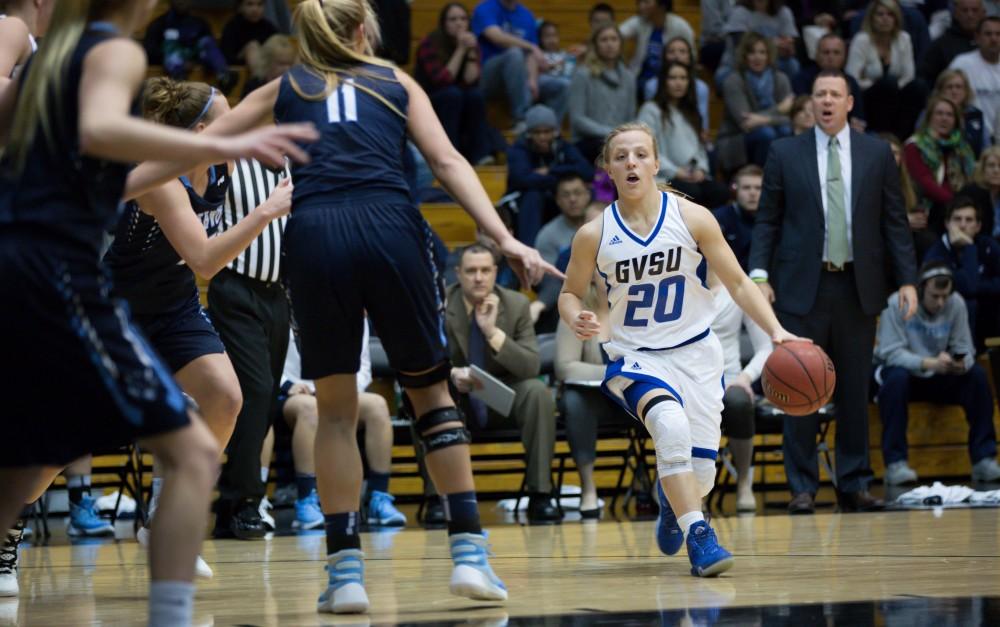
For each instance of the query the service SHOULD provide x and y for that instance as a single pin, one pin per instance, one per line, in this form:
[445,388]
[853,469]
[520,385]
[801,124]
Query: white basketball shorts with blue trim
[693,374]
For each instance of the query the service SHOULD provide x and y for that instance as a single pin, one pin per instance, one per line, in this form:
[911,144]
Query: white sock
[171,603]
[264,472]
[689,519]
[154,499]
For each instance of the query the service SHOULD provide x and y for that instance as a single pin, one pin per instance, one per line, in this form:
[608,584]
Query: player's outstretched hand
[780,336]
[270,144]
[527,263]
[586,325]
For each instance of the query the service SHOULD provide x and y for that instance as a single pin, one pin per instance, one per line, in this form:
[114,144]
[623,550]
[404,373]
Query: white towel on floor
[991,497]
[937,494]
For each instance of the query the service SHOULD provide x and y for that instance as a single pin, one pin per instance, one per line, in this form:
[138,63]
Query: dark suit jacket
[518,357]
[737,228]
[789,231]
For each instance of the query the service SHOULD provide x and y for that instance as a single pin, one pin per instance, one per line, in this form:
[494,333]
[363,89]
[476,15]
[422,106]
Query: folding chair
[770,421]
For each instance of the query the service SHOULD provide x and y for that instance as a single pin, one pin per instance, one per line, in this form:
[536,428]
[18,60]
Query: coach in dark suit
[491,327]
[830,230]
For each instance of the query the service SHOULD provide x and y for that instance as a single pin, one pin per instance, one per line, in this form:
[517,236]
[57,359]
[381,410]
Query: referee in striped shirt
[249,309]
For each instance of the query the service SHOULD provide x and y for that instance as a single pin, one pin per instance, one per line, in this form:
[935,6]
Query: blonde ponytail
[326,30]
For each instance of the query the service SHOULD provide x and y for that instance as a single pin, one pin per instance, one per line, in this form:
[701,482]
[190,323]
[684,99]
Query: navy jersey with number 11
[657,290]
[360,150]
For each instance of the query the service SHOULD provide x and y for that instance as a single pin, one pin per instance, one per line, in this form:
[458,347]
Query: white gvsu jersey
[657,290]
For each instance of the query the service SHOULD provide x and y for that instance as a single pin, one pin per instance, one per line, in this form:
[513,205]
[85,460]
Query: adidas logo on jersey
[636,366]
[615,240]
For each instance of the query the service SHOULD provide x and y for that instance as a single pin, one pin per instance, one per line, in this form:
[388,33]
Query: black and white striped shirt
[252,183]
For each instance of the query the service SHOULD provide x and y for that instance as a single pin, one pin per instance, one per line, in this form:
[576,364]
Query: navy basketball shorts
[182,335]
[78,377]
[341,261]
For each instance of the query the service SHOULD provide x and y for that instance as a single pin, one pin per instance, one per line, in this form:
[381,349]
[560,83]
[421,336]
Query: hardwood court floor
[570,569]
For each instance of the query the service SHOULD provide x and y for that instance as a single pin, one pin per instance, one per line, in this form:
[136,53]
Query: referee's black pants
[252,318]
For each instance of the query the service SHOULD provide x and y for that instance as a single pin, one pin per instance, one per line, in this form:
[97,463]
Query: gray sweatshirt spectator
[907,343]
[599,103]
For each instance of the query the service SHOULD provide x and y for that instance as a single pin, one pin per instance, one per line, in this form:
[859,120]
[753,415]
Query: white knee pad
[704,472]
[668,425]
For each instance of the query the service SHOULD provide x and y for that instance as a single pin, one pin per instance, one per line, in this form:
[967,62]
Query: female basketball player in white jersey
[653,250]
[68,133]
[355,242]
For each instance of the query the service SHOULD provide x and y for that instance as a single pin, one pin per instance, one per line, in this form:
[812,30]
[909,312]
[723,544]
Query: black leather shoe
[434,517]
[245,523]
[802,503]
[541,511]
[861,501]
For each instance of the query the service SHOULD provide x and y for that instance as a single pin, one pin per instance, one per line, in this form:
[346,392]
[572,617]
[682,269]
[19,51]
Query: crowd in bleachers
[924,76]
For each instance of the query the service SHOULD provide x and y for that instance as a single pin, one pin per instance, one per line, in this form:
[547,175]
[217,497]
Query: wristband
[759,279]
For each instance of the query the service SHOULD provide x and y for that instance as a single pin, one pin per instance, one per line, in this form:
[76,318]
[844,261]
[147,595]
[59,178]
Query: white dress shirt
[822,148]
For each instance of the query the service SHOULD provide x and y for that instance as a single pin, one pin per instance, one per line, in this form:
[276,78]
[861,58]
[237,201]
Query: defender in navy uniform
[162,240]
[66,139]
[356,242]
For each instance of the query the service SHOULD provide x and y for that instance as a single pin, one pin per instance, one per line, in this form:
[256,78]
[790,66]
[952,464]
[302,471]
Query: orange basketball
[798,378]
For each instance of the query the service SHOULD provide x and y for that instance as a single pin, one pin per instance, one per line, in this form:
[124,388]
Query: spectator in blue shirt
[512,60]
[736,218]
[975,261]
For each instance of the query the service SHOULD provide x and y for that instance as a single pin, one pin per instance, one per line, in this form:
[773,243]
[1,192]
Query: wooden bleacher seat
[452,224]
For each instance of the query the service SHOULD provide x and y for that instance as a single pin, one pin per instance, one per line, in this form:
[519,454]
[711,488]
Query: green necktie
[836,215]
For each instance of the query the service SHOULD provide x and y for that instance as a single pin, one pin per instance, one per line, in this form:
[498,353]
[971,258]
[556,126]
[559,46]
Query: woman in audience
[758,99]
[673,116]
[939,159]
[954,85]
[923,237]
[274,58]
[770,18]
[448,68]
[984,190]
[584,407]
[881,59]
[602,92]
[678,49]
[802,114]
